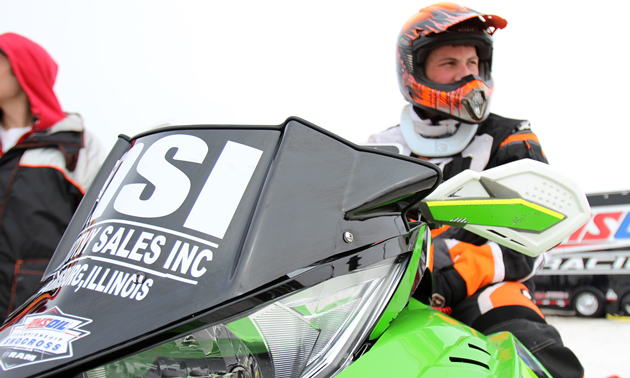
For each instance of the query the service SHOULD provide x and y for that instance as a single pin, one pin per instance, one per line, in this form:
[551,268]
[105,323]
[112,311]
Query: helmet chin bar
[467,100]
[435,147]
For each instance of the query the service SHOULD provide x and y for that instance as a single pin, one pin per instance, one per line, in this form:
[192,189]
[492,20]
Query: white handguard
[524,205]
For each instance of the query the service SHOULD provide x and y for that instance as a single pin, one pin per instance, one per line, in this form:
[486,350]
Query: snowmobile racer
[444,61]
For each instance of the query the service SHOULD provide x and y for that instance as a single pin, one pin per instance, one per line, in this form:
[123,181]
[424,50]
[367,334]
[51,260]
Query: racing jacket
[463,262]
[43,177]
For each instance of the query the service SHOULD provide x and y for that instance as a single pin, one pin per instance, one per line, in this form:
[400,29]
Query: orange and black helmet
[447,24]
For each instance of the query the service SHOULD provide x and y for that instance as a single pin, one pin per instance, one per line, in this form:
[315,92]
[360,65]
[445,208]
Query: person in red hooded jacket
[47,161]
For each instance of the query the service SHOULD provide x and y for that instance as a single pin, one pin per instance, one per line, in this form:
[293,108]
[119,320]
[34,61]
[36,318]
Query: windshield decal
[223,190]
[41,337]
[140,251]
[123,257]
[156,228]
[220,196]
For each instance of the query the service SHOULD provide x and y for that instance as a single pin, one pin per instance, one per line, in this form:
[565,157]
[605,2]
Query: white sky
[128,66]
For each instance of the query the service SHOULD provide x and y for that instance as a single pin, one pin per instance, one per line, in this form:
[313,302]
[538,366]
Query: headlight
[311,333]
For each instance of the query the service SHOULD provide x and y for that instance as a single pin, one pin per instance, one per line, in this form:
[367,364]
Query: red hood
[36,72]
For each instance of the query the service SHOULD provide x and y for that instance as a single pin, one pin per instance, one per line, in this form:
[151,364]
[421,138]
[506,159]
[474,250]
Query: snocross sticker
[608,228]
[133,237]
[41,337]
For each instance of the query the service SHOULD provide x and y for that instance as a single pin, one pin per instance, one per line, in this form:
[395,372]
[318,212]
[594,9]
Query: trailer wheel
[588,304]
[625,305]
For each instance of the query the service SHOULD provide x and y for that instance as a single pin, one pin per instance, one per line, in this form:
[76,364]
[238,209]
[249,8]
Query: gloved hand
[448,288]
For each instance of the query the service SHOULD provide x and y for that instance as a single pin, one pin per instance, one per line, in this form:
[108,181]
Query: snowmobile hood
[36,71]
[185,226]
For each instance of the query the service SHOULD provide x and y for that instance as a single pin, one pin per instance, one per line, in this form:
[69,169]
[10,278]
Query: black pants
[544,342]
[525,323]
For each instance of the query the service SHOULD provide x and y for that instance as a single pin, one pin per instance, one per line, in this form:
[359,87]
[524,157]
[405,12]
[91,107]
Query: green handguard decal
[515,213]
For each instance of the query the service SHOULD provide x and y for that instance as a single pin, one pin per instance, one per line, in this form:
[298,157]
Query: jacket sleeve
[91,156]
[463,263]
[522,144]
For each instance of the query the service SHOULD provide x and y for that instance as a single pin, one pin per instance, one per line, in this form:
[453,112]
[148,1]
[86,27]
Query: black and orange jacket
[42,178]
[463,262]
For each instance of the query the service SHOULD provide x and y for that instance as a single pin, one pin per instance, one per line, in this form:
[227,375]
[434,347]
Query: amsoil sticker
[41,337]
[608,228]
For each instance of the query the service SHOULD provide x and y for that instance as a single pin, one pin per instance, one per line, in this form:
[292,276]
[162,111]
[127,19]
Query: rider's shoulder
[495,121]
[392,134]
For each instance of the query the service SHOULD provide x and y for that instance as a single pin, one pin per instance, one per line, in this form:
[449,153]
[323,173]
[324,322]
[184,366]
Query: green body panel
[513,213]
[422,342]
[401,296]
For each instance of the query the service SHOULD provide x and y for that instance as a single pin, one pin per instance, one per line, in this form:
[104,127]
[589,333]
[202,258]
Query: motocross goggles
[314,332]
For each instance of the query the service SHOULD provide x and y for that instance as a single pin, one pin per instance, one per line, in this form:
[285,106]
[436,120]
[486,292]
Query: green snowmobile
[274,251]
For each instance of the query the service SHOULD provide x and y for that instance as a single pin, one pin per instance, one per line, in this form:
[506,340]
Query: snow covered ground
[602,345]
